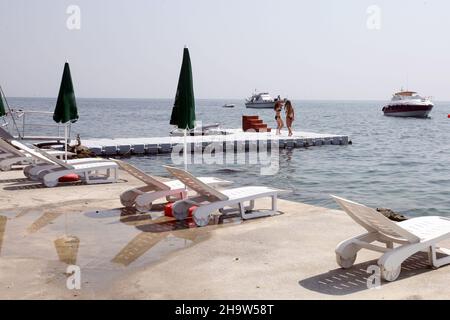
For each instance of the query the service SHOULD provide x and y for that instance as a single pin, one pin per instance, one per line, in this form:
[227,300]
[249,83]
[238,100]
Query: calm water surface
[399,163]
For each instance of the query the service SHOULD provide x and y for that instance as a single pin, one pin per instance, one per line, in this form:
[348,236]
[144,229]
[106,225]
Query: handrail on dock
[41,130]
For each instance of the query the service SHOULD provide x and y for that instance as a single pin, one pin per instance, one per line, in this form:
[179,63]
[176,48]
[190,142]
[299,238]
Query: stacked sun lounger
[207,199]
[10,155]
[228,201]
[46,168]
[143,197]
[89,170]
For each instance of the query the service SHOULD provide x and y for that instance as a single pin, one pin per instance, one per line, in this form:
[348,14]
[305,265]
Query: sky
[322,49]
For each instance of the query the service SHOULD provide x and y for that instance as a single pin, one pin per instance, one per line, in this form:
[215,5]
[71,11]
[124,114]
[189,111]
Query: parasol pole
[65,140]
[184,150]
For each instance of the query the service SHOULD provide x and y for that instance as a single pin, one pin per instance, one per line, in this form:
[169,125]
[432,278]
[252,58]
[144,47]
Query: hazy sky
[320,49]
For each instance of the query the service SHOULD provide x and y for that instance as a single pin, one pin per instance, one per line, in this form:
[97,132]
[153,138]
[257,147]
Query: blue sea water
[400,163]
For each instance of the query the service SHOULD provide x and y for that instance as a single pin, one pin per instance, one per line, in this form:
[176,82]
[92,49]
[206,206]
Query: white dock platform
[161,145]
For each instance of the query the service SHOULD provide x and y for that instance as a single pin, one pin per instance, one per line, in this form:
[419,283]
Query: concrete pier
[162,145]
[122,254]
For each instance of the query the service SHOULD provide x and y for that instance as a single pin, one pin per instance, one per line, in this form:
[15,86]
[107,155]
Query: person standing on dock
[289,116]
[278,107]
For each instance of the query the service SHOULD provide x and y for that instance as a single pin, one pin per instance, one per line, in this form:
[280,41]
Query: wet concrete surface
[124,254]
[107,242]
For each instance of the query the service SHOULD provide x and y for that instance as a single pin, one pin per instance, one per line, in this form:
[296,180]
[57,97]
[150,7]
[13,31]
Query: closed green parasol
[66,106]
[183,112]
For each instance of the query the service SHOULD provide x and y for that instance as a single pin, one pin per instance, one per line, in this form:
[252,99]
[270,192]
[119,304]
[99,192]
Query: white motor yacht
[408,104]
[260,100]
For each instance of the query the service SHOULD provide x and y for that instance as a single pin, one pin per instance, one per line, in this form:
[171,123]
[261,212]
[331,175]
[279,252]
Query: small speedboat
[408,104]
[228,105]
[260,101]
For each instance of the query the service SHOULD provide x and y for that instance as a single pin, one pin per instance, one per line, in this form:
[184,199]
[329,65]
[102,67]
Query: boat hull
[408,110]
[261,105]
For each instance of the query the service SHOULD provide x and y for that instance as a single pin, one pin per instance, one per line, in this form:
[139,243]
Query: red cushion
[168,210]
[191,210]
[169,213]
[69,178]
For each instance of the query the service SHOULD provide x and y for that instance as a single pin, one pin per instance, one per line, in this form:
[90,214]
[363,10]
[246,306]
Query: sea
[397,163]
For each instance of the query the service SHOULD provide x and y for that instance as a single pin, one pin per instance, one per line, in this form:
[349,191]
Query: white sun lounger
[11,156]
[88,171]
[33,171]
[38,165]
[412,236]
[7,151]
[226,201]
[143,197]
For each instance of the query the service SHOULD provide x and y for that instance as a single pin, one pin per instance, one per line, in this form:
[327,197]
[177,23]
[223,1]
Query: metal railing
[36,125]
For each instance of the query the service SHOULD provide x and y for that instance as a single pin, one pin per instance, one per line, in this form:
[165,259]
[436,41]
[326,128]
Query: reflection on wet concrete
[43,221]
[154,231]
[137,247]
[67,249]
[3,220]
[25,211]
[131,217]
[144,238]
[105,243]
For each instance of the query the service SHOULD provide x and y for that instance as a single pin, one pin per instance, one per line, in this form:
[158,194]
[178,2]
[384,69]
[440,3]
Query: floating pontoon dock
[235,138]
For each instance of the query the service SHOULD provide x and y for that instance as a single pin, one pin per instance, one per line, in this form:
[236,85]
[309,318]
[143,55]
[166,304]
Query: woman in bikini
[278,107]
[289,116]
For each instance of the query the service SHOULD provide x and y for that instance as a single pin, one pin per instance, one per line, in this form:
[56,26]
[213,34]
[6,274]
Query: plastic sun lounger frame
[143,197]
[226,201]
[34,166]
[11,156]
[50,177]
[33,171]
[412,236]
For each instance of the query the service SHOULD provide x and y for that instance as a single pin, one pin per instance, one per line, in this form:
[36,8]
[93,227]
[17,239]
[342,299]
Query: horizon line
[159,98]
[243,100]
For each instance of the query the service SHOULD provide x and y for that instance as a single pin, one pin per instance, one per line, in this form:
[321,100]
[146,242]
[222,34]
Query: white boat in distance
[260,100]
[228,105]
[408,104]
